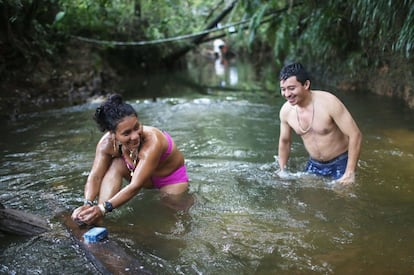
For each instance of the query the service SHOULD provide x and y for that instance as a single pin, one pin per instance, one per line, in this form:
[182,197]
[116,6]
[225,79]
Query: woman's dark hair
[111,112]
[295,69]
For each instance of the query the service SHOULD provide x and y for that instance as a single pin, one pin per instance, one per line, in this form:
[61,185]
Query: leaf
[59,16]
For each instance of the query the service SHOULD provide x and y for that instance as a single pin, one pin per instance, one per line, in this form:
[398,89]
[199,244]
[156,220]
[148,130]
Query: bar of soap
[95,235]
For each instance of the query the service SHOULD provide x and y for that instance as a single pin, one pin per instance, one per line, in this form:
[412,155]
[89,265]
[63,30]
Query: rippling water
[245,220]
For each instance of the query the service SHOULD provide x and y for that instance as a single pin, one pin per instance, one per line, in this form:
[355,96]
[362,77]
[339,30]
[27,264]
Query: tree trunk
[171,59]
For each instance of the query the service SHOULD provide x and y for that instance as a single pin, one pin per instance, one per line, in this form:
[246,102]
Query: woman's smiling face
[129,132]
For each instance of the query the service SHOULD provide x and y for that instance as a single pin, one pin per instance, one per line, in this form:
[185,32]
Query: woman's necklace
[304,131]
[134,156]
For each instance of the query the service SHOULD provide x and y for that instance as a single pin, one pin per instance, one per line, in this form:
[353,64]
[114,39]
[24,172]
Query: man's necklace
[304,131]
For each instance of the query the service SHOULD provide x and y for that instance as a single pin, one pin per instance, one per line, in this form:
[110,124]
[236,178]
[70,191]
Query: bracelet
[102,208]
[88,202]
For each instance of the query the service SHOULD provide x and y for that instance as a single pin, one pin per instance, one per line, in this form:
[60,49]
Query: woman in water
[143,155]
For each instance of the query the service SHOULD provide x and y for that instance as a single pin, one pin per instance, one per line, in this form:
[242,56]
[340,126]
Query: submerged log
[21,223]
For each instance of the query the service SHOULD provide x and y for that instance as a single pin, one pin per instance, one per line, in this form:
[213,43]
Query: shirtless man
[328,131]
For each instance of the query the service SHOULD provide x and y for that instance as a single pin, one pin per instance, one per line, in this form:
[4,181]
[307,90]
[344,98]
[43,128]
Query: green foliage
[27,35]
[171,18]
[104,18]
[134,20]
[389,23]
[255,22]
[354,33]
[152,19]
[405,39]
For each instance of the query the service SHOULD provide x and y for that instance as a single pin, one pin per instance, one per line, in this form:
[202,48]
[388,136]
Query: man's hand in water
[347,178]
[283,174]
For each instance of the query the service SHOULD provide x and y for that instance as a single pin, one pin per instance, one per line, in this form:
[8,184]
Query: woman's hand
[87,214]
[77,211]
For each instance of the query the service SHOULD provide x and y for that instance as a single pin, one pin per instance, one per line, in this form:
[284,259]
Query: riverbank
[393,78]
[80,73]
[74,77]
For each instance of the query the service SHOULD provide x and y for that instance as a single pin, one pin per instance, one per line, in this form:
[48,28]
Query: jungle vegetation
[346,38]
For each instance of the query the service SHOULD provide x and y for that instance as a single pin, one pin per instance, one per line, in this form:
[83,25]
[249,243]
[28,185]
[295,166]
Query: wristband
[88,202]
[108,206]
[102,208]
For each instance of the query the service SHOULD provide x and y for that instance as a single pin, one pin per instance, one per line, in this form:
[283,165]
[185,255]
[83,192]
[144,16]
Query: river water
[245,220]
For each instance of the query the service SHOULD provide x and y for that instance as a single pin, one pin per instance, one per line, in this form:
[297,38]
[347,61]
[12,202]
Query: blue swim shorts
[334,168]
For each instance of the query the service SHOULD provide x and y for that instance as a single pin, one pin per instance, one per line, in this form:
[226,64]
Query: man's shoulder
[286,107]
[325,96]
[285,111]
[322,93]
[332,104]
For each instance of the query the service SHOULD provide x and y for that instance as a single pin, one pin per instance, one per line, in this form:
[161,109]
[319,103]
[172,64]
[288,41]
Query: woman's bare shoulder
[106,145]
[153,138]
[152,133]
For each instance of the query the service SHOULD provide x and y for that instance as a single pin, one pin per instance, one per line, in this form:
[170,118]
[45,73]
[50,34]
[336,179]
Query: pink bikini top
[169,149]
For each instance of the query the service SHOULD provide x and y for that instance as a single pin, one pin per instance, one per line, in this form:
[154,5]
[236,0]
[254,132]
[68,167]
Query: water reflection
[226,72]
[244,219]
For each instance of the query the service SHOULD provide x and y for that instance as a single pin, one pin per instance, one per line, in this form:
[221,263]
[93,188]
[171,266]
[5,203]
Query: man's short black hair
[295,69]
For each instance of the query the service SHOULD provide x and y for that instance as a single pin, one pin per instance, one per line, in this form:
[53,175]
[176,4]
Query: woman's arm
[149,157]
[93,183]
[100,165]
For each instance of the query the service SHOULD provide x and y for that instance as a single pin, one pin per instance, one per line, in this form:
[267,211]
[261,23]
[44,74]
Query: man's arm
[348,126]
[285,141]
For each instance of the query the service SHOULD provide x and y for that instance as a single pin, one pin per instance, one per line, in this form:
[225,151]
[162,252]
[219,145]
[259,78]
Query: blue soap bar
[95,235]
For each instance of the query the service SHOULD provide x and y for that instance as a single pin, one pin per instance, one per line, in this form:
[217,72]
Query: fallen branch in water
[21,223]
